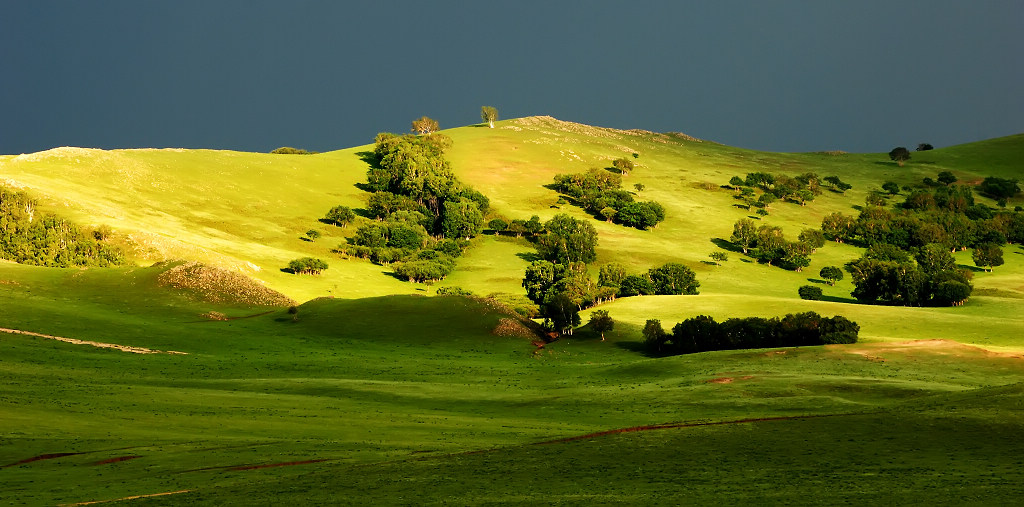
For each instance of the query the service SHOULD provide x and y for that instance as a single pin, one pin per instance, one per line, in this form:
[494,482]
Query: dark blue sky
[255,75]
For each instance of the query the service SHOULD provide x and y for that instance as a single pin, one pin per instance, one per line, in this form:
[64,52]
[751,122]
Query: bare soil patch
[41,457]
[114,460]
[75,341]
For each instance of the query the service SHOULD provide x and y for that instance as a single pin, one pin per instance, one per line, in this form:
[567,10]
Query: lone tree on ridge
[900,154]
[425,125]
[489,114]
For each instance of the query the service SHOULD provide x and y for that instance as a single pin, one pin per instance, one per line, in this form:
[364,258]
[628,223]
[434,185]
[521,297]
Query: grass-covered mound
[218,285]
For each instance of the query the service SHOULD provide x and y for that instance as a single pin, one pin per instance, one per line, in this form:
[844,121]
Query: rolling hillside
[119,383]
[248,212]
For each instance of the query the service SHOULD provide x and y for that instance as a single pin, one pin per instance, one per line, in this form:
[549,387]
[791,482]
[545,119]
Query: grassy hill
[372,393]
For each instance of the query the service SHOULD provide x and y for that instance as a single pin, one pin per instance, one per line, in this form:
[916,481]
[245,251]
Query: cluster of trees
[599,192]
[1000,189]
[703,333]
[768,244]
[947,215]
[671,279]
[780,187]
[563,290]
[927,277]
[42,239]
[307,266]
[424,215]
[517,227]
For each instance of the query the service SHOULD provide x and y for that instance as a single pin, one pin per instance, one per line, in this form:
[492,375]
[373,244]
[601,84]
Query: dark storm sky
[861,76]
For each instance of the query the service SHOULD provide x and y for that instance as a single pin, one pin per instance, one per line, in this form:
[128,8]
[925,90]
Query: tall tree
[987,254]
[489,115]
[744,234]
[568,240]
[461,219]
[600,321]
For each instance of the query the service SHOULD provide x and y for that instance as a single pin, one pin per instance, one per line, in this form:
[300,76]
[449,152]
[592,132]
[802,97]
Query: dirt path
[126,498]
[123,348]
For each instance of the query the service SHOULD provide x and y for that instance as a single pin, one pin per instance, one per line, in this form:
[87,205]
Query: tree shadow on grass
[974,269]
[818,280]
[365,187]
[837,299]
[529,256]
[370,158]
[726,245]
[635,346]
[394,275]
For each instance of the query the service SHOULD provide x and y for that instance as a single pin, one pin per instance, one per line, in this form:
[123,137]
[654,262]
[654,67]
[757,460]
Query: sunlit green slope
[249,211]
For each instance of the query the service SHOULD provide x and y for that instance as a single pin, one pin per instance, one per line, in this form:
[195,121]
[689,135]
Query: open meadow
[369,389]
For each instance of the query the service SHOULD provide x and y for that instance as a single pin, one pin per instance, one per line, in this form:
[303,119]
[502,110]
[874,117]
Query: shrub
[288,150]
[453,291]
[809,292]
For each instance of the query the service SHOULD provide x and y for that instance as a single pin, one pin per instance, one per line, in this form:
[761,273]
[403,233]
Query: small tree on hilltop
[924,147]
[831,274]
[312,234]
[899,154]
[489,115]
[600,321]
[425,125]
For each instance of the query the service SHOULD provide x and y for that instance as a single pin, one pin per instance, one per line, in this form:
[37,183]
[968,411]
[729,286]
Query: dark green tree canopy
[601,322]
[340,215]
[673,279]
[568,240]
[900,155]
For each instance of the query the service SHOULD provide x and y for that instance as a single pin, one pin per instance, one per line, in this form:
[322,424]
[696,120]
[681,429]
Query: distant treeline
[30,237]
[702,333]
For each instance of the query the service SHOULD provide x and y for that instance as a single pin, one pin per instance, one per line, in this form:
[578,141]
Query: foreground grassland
[407,399]
[376,393]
